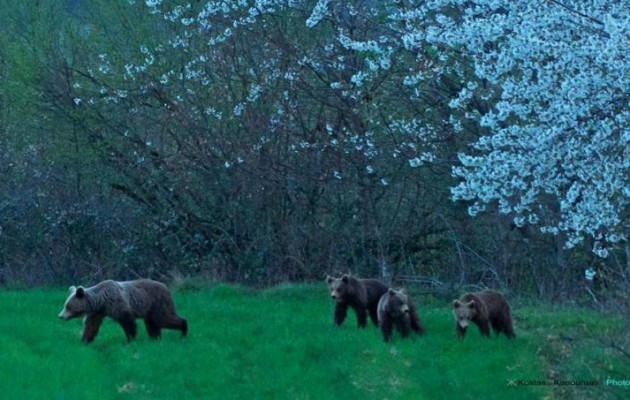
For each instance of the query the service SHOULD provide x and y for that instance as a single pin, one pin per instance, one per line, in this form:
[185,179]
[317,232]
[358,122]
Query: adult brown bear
[362,295]
[124,302]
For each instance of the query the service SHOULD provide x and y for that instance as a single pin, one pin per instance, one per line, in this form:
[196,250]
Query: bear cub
[124,302]
[362,295]
[395,310]
[484,309]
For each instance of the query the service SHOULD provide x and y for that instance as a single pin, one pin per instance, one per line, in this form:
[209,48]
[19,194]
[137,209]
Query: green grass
[280,344]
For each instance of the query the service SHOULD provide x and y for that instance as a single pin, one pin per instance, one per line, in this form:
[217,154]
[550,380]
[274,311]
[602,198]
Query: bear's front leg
[341,310]
[403,327]
[91,324]
[386,329]
[461,332]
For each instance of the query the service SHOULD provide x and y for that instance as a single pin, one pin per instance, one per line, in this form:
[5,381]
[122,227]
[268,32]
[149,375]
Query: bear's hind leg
[128,324]
[373,315]
[484,328]
[509,332]
[508,325]
[177,323]
[184,327]
[361,316]
[91,324]
[496,326]
[503,324]
[153,329]
[414,321]
[508,328]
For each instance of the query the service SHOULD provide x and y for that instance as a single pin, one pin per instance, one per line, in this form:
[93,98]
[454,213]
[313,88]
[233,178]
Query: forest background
[273,141]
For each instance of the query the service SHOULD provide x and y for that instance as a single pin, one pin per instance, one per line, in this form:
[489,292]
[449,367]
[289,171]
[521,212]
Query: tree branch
[577,12]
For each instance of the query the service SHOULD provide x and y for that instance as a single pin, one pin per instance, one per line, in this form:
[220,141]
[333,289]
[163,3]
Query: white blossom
[319,12]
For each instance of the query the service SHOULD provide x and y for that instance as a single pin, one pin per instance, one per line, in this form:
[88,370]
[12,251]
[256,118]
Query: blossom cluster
[558,136]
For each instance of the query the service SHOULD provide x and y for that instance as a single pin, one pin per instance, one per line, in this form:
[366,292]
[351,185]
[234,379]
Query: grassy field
[280,344]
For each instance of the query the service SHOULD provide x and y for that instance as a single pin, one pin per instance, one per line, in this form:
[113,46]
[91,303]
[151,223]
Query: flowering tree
[556,148]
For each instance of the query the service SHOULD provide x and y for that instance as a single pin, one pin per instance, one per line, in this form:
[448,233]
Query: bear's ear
[72,289]
[391,292]
[80,293]
[456,304]
[471,304]
[345,278]
[329,278]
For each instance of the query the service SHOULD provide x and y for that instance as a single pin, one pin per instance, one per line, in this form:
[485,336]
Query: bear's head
[339,287]
[464,312]
[397,303]
[75,304]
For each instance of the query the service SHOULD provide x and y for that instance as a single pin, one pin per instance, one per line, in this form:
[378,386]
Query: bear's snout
[64,314]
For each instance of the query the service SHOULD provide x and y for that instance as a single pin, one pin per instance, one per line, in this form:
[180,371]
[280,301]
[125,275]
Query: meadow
[280,343]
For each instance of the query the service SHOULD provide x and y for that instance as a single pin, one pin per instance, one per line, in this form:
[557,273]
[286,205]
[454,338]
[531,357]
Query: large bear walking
[362,295]
[124,302]
[484,309]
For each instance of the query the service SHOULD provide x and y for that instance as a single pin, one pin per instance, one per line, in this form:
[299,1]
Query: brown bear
[124,302]
[395,310]
[362,295]
[483,309]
